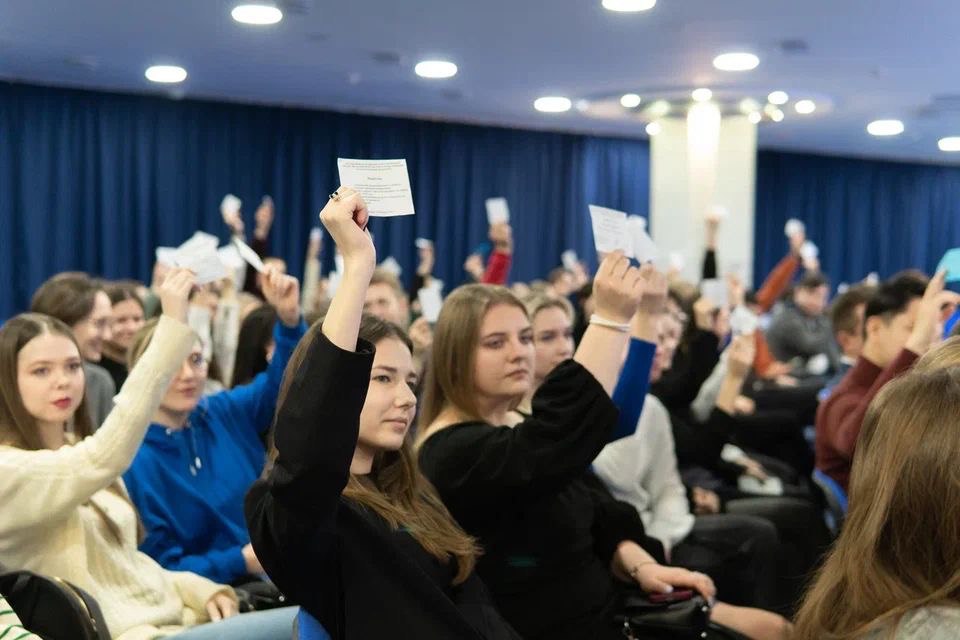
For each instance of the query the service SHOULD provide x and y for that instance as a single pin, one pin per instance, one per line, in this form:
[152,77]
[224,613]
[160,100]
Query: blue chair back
[836,499]
[308,628]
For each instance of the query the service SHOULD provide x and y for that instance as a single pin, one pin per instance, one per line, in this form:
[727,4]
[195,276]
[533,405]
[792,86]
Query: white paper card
[200,239]
[610,231]
[422,243]
[249,255]
[316,234]
[717,212]
[384,185]
[230,257]
[392,266]
[430,302]
[772,486]
[743,322]
[497,210]
[809,251]
[644,249]
[569,259]
[715,291]
[167,256]
[202,259]
[230,203]
[793,227]
[677,261]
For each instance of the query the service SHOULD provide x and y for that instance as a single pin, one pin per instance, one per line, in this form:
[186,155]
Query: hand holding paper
[199,254]
[951,265]
[430,303]
[384,184]
[249,255]
[497,211]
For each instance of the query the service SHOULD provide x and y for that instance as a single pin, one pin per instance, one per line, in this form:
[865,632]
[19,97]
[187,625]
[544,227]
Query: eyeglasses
[196,361]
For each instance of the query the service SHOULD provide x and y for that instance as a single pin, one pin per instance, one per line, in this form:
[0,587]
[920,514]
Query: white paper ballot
[497,210]
[249,255]
[392,266]
[743,322]
[610,230]
[430,302]
[230,257]
[422,243]
[316,234]
[677,261]
[384,185]
[202,259]
[793,227]
[230,203]
[200,239]
[809,251]
[644,250]
[715,291]
[569,259]
[717,212]
[167,256]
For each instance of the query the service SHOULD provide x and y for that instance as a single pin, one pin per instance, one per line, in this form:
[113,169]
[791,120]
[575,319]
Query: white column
[697,163]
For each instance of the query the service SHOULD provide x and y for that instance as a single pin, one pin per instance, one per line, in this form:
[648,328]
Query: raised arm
[67,477]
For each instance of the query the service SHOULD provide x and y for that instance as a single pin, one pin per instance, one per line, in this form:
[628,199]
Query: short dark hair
[813,281]
[68,298]
[843,315]
[893,296]
[121,292]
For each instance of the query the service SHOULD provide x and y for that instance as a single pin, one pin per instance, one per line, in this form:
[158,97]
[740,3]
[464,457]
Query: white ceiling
[867,58]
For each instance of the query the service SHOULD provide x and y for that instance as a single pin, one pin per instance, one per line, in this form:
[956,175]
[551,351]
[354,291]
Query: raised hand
[654,299]
[926,327]
[263,218]
[346,220]
[618,288]
[175,293]
[740,356]
[282,292]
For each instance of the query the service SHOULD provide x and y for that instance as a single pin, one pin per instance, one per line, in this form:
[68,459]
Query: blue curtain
[94,182]
[864,215]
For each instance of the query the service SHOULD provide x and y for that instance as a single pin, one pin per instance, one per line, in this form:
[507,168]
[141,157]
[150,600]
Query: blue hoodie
[189,484]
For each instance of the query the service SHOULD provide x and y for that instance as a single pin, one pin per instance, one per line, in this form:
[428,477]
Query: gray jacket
[927,623]
[793,334]
[99,393]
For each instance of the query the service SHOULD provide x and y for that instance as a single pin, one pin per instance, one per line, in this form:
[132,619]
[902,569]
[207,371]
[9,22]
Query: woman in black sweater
[558,548]
[344,523]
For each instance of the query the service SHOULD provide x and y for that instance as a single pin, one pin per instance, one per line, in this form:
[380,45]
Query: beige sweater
[47,523]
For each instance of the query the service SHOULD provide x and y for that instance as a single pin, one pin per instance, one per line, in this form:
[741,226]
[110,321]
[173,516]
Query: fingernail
[669,589]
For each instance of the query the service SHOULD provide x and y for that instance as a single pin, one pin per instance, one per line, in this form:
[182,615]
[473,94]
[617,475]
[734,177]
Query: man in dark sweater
[902,321]
[801,331]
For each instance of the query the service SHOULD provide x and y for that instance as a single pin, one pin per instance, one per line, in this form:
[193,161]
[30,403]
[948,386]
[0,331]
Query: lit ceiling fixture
[257,13]
[165,74]
[435,69]
[736,61]
[885,128]
[552,104]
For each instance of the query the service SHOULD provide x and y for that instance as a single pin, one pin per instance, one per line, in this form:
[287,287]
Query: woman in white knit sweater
[63,509]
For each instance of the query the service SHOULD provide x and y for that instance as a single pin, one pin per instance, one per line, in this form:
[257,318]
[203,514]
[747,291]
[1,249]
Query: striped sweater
[52,504]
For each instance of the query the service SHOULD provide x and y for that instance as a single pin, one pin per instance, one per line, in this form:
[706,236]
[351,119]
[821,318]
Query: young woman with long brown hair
[344,523]
[64,512]
[894,572]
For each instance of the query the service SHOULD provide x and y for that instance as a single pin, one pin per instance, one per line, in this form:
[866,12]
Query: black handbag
[259,595]
[53,608]
[684,620]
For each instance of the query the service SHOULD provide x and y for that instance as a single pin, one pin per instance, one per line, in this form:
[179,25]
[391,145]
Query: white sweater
[47,523]
[642,470]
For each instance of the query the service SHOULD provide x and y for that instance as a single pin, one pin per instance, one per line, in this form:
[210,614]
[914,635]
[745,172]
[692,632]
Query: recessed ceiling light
[776,115]
[552,104]
[630,100]
[658,109]
[626,6]
[755,117]
[435,69]
[748,106]
[951,143]
[259,14]
[778,97]
[653,129]
[737,61]
[885,128]
[702,94]
[805,107]
[165,73]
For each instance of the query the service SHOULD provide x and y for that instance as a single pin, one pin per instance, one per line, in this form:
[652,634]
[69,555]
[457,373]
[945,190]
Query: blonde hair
[450,371]
[898,549]
[142,340]
[945,354]
[537,302]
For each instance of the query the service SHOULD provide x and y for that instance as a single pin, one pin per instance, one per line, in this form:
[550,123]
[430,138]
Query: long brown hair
[898,549]
[67,297]
[395,489]
[18,428]
[450,379]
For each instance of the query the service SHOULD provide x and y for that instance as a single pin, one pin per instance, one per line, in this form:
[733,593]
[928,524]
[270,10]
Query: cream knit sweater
[47,523]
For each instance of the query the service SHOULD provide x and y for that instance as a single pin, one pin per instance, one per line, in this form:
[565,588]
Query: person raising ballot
[343,522]
[202,453]
[64,511]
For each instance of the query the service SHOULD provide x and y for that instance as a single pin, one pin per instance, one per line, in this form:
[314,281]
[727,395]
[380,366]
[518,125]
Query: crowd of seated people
[222,460]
